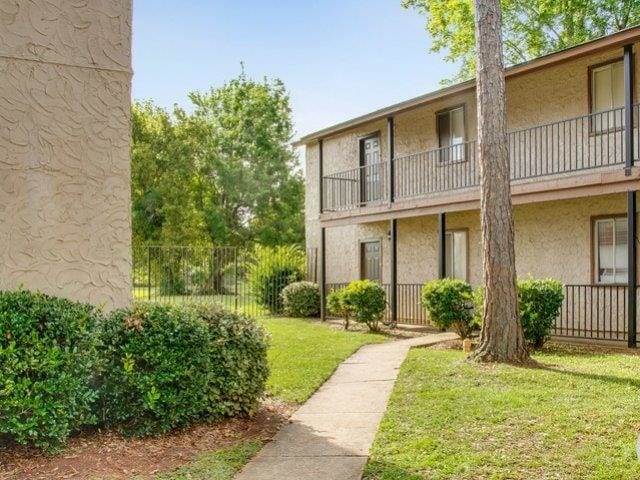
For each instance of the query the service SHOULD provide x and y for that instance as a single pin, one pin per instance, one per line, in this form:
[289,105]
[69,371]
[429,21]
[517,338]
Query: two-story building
[393,195]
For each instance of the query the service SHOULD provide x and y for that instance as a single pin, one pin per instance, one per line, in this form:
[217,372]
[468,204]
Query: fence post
[149,273]
[393,233]
[322,284]
[631,268]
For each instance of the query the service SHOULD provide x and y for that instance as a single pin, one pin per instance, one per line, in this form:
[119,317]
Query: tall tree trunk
[502,339]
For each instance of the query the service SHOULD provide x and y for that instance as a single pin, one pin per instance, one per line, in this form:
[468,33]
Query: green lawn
[304,354]
[576,418]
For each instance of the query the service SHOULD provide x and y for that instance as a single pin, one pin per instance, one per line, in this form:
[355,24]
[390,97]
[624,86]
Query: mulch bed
[107,455]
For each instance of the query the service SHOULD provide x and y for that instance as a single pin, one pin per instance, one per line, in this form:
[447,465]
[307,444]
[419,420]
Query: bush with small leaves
[365,302]
[47,357]
[540,301]
[337,307]
[301,299]
[238,368]
[450,304]
[154,368]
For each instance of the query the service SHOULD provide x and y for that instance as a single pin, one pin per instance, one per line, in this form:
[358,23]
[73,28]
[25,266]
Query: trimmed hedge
[238,367]
[301,299]
[450,304]
[361,300]
[154,368]
[47,359]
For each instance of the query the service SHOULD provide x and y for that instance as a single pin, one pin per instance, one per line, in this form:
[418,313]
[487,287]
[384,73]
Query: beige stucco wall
[553,239]
[65,76]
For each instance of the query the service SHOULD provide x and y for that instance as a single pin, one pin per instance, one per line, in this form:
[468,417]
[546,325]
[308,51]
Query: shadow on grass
[388,471]
[622,381]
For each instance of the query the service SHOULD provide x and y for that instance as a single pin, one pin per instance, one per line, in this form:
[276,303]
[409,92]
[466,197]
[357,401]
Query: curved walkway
[329,437]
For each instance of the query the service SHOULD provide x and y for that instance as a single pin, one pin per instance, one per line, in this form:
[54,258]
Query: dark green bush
[154,368]
[301,299]
[270,269]
[540,302]
[238,368]
[47,357]
[450,304]
[365,302]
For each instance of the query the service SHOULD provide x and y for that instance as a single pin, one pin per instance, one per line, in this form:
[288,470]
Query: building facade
[65,78]
[394,195]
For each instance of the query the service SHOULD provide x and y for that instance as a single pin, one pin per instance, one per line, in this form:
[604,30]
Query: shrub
[540,302]
[47,356]
[365,302]
[154,368]
[238,362]
[336,305]
[301,299]
[450,304]
[270,270]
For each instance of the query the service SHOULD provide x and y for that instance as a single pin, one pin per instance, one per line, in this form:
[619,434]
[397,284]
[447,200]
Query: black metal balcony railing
[582,143]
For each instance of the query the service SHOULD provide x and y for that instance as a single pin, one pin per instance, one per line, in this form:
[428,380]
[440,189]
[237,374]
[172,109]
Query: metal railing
[597,312]
[577,144]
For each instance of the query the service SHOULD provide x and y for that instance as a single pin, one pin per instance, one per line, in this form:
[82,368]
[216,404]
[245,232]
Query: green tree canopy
[531,28]
[222,172]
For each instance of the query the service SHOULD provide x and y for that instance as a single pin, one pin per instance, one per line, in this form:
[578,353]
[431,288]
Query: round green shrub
[336,305]
[365,301]
[270,269]
[540,301]
[47,357]
[301,299]
[154,369]
[450,304]
[238,362]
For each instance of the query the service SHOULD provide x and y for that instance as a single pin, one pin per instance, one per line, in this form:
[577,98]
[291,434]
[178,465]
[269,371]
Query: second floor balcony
[592,142]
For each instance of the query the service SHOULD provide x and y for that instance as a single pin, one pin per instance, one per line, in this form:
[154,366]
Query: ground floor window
[371,260]
[456,254]
[610,239]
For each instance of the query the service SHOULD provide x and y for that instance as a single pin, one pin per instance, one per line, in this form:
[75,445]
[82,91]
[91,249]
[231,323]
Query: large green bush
[154,368]
[47,357]
[336,305]
[270,269]
[450,304]
[365,301]
[238,368]
[540,301]
[301,299]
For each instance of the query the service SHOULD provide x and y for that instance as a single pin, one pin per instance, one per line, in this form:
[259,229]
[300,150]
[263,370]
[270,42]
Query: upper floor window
[456,254]
[610,239]
[607,94]
[451,134]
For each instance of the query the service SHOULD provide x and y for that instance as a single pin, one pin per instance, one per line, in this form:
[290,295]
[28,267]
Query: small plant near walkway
[362,300]
[569,419]
[450,304]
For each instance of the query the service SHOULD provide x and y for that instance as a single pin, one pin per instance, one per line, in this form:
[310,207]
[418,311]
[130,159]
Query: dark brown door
[370,169]
[371,261]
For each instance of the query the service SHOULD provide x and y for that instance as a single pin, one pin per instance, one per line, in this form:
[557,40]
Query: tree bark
[502,339]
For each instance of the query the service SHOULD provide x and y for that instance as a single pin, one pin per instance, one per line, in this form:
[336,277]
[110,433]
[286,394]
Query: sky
[338,58]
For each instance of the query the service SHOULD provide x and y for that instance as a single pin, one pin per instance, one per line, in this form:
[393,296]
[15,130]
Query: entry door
[371,261]
[370,170]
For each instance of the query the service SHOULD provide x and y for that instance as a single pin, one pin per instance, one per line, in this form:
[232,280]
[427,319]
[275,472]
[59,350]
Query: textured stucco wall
[65,76]
[553,239]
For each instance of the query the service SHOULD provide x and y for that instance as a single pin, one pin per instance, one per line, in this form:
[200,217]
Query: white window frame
[450,267]
[455,151]
[614,120]
[612,276]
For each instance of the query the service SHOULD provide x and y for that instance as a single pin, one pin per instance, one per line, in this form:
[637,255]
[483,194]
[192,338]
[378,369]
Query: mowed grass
[578,417]
[304,353]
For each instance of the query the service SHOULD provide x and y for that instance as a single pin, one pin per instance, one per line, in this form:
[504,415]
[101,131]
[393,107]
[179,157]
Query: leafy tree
[531,28]
[222,172]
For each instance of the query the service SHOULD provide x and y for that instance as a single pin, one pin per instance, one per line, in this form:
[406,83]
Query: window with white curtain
[451,134]
[610,239]
[456,254]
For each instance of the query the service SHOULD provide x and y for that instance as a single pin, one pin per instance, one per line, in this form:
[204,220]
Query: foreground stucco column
[65,80]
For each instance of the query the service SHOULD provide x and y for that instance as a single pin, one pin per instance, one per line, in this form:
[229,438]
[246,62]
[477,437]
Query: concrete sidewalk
[329,437]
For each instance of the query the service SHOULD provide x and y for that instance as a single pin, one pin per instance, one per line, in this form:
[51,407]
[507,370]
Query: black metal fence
[597,312]
[247,280]
[581,143]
